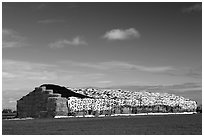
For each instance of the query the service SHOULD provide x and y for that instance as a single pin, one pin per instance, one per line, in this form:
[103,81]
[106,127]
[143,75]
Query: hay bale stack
[42,103]
[57,106]
[52,100]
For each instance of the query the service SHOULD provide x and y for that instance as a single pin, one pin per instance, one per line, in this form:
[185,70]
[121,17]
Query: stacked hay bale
[52,100]
[32,104]
[57,106]
[132,101]
[88,104]
[41,103]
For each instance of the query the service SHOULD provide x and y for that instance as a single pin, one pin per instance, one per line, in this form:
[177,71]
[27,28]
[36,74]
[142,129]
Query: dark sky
[101,44]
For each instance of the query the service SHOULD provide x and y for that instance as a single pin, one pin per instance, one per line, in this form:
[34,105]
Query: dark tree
[7,111]
[199,108]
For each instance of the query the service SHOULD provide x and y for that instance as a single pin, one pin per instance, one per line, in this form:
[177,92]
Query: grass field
[134,125]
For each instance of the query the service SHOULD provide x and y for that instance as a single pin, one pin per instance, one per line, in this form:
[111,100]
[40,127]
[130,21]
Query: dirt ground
[132,125]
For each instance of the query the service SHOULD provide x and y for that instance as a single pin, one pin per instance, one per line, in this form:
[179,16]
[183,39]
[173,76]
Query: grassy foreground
[134,125]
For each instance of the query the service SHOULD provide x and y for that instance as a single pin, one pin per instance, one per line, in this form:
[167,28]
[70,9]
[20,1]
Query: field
[134,125]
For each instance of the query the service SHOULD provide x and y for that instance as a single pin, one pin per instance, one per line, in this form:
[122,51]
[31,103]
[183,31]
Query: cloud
[12,39]
[84,64]
[119,34]
[129,66]
[117,65]
[185,86]
[24,75]
[104,82]
[63,43]
[194,8]
[8,75]
[20,70]
[8,64]
[191,72]
[12,100]
[50,21]
[195,72]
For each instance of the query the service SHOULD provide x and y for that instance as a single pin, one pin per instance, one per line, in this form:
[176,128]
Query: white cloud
[8,64]
[26,75]
[153,69]
[84,64]
[119,34]
[118,65]
[194,8]
[12,100]
[50,21]
[63,43]
[129,66]
[104,82]
[12,39]
[190,72]
[26,71]
[8,75]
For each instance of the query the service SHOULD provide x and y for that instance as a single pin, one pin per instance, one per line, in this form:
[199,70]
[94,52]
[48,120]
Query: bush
[199,109]
[7,111]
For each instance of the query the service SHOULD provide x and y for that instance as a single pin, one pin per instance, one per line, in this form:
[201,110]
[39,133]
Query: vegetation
[199,108]
[8,113]
[6,110]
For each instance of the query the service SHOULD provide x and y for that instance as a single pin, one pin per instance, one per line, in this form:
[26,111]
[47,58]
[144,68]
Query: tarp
[63,91]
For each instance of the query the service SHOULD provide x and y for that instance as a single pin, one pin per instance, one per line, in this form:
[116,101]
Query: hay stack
[42,103]
[57,106]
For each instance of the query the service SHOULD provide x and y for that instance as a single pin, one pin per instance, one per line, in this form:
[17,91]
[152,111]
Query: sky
[101,45]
